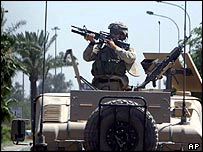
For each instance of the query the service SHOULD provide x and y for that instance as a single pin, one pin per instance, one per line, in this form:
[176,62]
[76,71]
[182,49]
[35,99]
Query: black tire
[123,135]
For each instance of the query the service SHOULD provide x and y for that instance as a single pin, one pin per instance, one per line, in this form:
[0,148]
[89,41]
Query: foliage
[5,134]
[196,47]
[8,68]
[18,92]
[55,84]
[29,51]
[196,53]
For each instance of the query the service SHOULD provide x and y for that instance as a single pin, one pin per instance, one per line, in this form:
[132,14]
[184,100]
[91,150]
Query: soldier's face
[115,36]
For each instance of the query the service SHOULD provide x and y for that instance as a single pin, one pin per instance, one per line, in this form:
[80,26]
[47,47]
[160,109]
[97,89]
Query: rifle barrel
[75,26]
[101,36]
[78,32]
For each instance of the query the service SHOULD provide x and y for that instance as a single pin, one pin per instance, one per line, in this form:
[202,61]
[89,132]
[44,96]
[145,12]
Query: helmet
[119,26]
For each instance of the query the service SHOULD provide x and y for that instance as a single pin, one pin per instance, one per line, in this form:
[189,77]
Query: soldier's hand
[90,37]
[110,43]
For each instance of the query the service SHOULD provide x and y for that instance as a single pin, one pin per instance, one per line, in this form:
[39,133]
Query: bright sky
[96,16]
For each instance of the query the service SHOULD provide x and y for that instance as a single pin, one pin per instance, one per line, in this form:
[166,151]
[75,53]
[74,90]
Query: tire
[119,133]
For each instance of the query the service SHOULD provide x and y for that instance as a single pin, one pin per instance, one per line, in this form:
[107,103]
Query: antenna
[40,140]
[183,117]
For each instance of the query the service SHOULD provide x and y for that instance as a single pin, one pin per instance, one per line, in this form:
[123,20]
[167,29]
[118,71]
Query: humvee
[133,120]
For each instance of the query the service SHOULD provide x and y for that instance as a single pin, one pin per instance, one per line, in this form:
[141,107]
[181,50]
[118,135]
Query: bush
[5,134]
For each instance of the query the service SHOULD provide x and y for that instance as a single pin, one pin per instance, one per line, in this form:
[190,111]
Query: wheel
[120,131]
[39,147]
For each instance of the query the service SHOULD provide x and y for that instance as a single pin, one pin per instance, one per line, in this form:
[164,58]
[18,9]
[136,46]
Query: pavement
[18,147]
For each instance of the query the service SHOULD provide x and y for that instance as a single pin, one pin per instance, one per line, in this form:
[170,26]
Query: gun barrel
[78,32]
[142,85]
[101,36]
[158,69]
[76,27]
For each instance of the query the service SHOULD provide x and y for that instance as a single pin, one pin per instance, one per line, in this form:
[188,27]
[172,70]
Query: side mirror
[18,130]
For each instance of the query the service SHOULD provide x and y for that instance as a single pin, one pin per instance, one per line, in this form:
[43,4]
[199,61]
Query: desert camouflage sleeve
[90,52]
[129,57]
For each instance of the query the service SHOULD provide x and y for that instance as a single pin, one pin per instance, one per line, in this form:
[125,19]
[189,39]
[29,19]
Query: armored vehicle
[132,120]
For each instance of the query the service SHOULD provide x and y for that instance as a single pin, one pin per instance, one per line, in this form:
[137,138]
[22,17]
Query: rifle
[155,73]
[101,36]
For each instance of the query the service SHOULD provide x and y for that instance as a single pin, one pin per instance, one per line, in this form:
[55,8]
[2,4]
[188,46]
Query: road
[19,147]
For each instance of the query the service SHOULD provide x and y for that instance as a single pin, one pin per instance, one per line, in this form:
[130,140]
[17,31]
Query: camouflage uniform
[110,66]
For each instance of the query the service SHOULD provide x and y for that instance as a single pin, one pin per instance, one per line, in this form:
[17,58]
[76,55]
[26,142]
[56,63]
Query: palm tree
[29,51]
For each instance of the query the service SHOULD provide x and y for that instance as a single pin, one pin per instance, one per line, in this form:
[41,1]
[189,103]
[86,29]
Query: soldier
[111,61]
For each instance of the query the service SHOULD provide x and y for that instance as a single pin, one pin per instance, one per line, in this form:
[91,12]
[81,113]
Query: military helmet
[119,26]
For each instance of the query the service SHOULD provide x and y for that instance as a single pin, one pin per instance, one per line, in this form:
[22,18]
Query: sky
[146,33]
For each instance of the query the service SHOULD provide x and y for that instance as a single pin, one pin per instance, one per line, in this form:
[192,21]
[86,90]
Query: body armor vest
[108,63]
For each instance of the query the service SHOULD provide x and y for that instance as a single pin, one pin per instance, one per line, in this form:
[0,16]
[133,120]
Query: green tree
[29,51]
[56,84]
[196,47]
[196,52]
[18,92]
[8,66]
[18,95]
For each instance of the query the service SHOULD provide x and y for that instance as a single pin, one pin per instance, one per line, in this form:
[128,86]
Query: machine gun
[102,36]
[163,66]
